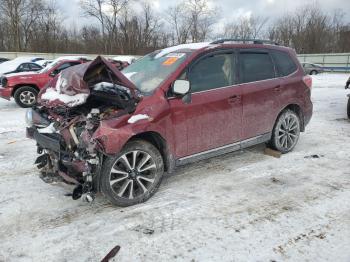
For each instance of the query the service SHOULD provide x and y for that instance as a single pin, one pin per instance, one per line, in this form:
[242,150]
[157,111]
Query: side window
[62,67]
[255,67]
[285,65]
[24,67]
[34,66]
[212,72]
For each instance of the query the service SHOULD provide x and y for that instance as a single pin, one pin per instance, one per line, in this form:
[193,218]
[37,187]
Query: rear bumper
[5,92]
[308,114]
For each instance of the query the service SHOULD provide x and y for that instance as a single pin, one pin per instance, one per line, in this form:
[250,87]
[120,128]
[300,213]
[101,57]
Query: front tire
[132,176]
[313,72]
[348,108]
[26,96]
[286,132]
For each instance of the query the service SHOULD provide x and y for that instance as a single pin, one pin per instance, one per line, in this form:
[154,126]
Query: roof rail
[255,41]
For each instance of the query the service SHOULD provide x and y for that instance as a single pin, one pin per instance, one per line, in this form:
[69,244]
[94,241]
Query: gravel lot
[243,206]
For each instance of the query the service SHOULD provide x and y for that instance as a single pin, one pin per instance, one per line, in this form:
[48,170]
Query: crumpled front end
[73,108]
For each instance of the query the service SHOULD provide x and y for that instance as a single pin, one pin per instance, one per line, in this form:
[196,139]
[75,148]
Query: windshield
[150,71]
[49,66]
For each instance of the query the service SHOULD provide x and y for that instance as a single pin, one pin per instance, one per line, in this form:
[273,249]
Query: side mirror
[181,87]
[53,73]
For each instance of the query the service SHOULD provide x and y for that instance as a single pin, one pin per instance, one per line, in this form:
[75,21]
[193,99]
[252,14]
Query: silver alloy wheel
[132,174]
[288,132]
[27,98]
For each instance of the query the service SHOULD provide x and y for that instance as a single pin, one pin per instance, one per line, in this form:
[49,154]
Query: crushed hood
[72,86]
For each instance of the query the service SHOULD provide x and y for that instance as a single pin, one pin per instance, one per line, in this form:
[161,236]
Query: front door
[213,117]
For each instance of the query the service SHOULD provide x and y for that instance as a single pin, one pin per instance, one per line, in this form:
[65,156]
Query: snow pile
[136,118]
[168,50]
[9,66]
[329,80]
[51,95]
[125,58]
[48,130]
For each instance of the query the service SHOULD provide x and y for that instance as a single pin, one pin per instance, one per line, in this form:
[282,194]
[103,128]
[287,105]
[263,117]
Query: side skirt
[223,149]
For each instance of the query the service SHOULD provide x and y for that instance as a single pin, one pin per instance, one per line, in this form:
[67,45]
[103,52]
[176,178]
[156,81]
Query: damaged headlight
[29,117]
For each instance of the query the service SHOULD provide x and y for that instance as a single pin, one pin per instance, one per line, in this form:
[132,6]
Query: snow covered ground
[243,206]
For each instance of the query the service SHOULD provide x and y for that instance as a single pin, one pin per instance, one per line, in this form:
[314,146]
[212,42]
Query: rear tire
[132,176]
[286,132]
[313,72]
[26,96]
[348,108]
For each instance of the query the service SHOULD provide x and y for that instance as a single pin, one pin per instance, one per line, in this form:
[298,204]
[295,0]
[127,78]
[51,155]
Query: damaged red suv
[118,132]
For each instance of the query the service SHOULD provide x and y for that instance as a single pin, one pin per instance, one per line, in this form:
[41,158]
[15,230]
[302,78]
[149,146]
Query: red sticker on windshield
[170,61]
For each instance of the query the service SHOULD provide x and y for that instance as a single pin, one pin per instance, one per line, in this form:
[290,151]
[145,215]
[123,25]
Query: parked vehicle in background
[43,62]
[126,58]
[2,60]
[312,69]
[13,66]
[24,87]
[120,65]
[118,132]
[347,85]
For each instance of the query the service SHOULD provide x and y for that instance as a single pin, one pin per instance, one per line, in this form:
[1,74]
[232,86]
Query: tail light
[308,81]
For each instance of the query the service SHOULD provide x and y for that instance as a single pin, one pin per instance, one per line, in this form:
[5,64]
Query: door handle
[234,99]
[277,88]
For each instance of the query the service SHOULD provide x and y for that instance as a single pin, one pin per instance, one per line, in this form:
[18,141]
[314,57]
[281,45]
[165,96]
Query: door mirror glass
[181,87]
[53,73]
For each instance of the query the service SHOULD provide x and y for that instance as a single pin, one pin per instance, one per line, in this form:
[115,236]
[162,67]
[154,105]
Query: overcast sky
[230,9]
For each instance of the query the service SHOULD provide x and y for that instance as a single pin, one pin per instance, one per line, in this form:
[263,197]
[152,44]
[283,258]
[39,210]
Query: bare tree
[246,27]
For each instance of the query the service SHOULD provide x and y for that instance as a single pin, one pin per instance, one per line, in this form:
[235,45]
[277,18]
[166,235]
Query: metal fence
[333,62]
[12,55]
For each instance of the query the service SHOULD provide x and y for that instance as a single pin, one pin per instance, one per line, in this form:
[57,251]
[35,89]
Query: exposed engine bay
[64,132]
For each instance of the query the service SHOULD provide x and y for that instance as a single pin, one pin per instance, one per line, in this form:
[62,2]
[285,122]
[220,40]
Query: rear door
[260,88]
[213,117]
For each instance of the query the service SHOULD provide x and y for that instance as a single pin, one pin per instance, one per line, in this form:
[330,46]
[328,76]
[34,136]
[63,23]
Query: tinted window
[285,65]
[66,65]
[24,67]
[212,72]
[35,67]
[256,67]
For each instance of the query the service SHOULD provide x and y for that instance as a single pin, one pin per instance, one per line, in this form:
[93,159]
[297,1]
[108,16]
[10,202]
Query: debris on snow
[271,152]
[314,156]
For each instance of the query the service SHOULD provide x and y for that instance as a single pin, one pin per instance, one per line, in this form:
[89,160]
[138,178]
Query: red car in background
[24,87]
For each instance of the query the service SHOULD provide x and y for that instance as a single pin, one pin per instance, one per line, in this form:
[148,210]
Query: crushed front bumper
[45,141]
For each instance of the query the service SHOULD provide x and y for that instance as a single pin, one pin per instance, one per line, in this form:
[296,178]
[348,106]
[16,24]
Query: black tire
[314,72]
[26,96]
[286,132]
[348,108]
[130,186]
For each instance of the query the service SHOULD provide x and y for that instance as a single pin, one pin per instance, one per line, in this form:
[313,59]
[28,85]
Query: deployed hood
[73,86]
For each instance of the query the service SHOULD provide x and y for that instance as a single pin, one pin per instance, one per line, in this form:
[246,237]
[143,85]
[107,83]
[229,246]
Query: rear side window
[35,66]
[212,72]
[255,67]
[66,65]
[284,63]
